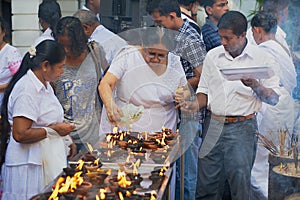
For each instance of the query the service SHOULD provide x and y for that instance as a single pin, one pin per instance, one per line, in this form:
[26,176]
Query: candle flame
[122,181]
[80,164]
[120,196]
[55,191]
[108,172]
[153,195]
[128,194]
[102,193]
[115,129]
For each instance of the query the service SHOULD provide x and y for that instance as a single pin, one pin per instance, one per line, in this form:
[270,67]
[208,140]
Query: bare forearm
[3,87]
[202,100]
[30,135]
[105,92]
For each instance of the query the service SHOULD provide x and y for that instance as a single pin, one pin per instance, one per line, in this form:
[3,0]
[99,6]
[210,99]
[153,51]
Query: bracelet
[194,14]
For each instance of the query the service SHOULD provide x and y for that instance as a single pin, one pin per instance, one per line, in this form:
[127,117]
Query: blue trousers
[231,158]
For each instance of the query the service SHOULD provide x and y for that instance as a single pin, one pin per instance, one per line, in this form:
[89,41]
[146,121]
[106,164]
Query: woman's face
[55,71]
[156,55]
[66,43]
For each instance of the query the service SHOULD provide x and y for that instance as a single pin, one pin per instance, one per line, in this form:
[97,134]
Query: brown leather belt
[231,119]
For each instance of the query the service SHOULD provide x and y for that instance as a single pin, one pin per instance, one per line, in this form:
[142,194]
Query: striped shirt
[210,35]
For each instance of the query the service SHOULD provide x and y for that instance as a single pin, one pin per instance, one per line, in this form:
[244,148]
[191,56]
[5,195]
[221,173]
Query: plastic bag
[54,157]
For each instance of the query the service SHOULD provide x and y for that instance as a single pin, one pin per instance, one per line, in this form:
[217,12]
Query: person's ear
[243,34]
[87,29]
[172,15]
[209,10]
[45,65]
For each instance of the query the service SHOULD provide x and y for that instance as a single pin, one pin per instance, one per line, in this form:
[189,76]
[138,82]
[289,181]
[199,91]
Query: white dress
[139,85]
[23,169]
[10,61]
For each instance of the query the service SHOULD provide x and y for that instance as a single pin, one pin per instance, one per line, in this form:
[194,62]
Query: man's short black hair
[164,7]
[235,21]
[186,2]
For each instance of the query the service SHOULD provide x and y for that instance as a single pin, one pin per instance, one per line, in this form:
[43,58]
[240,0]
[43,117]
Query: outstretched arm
[266,95]
[106,87]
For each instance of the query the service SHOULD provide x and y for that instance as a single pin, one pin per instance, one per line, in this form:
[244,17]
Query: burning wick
[153,195]
[102,193]
[115,129]
[120,195]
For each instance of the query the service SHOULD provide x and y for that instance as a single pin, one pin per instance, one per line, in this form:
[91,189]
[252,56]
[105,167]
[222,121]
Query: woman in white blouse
[10,59]
[272,118]
[145,76]
[33,117]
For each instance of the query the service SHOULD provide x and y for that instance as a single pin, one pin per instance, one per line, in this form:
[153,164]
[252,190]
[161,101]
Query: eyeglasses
[152,55]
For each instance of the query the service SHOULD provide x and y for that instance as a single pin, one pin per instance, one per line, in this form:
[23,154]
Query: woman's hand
[114,113]
[63,129]
[179,95]
[73,151]
[188,107]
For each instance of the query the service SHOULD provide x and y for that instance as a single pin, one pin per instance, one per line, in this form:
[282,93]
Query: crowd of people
[68,91]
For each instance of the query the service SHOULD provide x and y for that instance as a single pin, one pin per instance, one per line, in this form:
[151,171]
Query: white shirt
[10,61]
[110,42]
[279,36]
[47,35]
[232,98]
[31,99]
[86,8]
[287,72]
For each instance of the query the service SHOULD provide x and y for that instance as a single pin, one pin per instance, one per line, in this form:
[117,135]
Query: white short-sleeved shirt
[233,98]
[287,70]
[110,42]
[31,99]
[139,85]
[47,35]
[10,61]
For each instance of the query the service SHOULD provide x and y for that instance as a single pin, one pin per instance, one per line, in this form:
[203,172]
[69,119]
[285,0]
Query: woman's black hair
[71,27]
[4,28]
[158,35]
[47,50]
[50,12]
[266,20]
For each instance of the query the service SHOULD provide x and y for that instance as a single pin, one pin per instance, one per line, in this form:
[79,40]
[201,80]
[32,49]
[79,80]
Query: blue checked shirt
[210,35]
[191,49]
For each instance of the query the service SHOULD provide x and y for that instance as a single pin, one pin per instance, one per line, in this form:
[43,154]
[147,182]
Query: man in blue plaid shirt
[191,49]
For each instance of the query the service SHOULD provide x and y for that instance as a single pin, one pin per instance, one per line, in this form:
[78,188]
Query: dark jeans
[231,159]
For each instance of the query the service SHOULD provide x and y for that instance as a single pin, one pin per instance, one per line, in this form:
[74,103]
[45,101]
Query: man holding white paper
[229,144]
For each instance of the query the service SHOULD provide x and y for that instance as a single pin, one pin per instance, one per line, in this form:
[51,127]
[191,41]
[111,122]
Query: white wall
[25,25]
